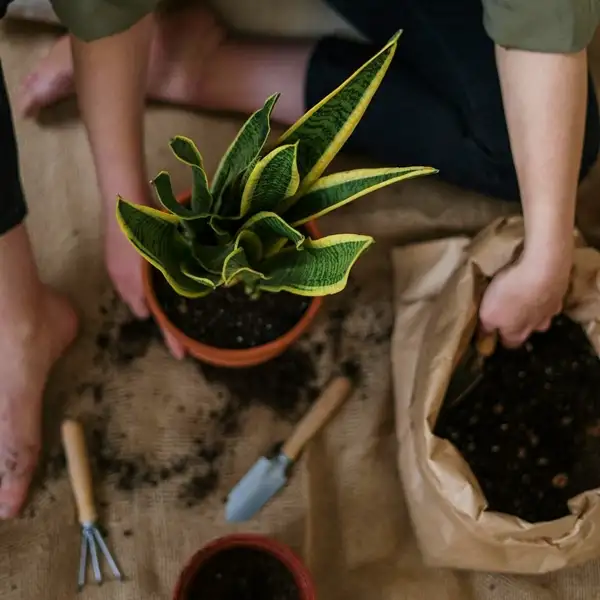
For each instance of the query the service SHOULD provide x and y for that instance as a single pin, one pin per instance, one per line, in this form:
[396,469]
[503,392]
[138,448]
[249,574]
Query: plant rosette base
[245,560]
[224,357]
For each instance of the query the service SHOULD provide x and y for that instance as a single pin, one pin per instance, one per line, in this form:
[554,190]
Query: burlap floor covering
[170,439]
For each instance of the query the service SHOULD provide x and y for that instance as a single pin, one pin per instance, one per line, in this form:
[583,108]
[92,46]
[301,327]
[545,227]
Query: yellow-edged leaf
[251,244]
[245,147]
[237,267]
[333,191]
[187,152]
[272,180]
[270,227]
[155,236]
[324,129]
[213,258]
[194,271]
[318,268]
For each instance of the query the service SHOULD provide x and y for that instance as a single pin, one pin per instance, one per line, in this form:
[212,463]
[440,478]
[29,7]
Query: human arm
[111,46]
[545,99]
[110,78]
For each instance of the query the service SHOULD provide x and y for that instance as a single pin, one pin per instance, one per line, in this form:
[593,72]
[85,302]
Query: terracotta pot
[296,567]
[231,358]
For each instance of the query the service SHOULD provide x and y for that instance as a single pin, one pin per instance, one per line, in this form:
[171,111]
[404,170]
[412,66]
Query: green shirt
[90,20]
[560,26]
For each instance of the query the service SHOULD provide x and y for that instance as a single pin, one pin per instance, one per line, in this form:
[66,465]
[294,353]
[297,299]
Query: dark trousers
[440,103]
[12,203]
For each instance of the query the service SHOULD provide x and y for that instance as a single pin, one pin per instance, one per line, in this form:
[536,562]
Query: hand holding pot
[524,298]
[124,267]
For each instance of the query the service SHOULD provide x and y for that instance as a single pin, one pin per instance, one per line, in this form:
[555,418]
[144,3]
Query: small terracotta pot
[281,552]
[220,357]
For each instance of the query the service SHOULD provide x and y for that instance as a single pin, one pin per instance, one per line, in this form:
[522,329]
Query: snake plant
[246,226]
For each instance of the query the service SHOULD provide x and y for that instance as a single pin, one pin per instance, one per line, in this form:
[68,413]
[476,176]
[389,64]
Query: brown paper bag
[436,312]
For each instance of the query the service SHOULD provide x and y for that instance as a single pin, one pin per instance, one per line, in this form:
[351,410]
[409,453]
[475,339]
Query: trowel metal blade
[257,487]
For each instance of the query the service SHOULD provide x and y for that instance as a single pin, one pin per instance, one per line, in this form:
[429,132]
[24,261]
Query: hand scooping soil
[530,430]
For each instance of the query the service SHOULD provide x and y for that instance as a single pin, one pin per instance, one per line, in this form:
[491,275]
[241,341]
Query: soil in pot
[227,318]
[530,430]
[243,574]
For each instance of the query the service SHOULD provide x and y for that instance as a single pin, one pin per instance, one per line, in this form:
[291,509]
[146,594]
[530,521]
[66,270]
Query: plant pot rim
[280,551]
[223,357]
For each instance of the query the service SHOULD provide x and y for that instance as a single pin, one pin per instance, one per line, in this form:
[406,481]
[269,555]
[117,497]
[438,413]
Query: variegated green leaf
[273,179]
[194,271]
[155,236]
[218,227]
[324,129]
[244,149]
[251,244]
[333,191]
[238,267]
[213,258]
[270,227]
[187,152]
[318,268]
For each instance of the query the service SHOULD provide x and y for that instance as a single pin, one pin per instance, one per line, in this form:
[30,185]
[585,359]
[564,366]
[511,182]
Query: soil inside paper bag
[530,431]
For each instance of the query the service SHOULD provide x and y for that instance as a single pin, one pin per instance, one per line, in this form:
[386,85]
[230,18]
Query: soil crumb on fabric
[286,385]
[529,430]
[122,339]
[228,318]
[243,574]
[133,340]
[197,469]
[351,369]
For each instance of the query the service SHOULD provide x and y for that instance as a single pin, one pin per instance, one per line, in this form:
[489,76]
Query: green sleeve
[90,20]
[557,26]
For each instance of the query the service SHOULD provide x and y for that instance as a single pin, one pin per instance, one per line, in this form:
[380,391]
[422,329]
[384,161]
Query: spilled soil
[530,430]
[285,386]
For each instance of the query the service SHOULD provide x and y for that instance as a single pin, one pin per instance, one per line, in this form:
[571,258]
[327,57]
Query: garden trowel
[269,475]
[469,370]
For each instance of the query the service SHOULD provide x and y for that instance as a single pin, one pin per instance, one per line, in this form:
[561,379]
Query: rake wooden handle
[330,400]
[80,472]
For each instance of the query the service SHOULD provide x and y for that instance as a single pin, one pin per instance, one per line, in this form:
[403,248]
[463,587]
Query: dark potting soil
[228,318]
[243,574]
[530,430]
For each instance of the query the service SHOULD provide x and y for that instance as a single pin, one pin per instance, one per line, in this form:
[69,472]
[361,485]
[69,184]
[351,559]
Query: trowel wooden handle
[330,400]
[486,343]
[79,469]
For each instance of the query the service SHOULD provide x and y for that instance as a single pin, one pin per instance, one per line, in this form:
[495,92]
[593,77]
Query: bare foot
[28,351]
[183,43]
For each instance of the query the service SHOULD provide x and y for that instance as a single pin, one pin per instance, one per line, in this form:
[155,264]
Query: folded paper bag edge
[448,537]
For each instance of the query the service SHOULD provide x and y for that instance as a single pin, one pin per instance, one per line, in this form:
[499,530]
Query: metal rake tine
[82,561]
[94,553]
[107,555]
